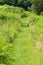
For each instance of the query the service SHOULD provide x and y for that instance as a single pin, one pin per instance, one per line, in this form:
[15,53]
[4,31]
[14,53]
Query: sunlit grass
[21,37]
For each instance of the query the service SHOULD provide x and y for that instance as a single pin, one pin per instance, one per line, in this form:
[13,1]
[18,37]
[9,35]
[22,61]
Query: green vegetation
[21,37]
[35,6]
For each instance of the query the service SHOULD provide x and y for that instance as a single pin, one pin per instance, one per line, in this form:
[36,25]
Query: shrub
[37,6]
[23,15]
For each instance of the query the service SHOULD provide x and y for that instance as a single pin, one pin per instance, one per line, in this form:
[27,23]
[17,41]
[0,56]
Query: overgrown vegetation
[32,5]
[21,37]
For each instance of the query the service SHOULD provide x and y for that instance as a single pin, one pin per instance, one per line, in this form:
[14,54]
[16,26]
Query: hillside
[21,37]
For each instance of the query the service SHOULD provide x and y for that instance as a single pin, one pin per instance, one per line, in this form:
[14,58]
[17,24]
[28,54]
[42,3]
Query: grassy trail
[21,37]
[26,51]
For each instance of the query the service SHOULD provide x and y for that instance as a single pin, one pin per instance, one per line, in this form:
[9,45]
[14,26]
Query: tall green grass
[21,37]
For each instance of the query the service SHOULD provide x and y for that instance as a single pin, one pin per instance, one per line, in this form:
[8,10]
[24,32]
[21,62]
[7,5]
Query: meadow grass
[21,37]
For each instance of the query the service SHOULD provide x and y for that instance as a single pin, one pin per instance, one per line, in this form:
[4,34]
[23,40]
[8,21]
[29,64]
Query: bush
[21,3]
[37,6]
[23,15]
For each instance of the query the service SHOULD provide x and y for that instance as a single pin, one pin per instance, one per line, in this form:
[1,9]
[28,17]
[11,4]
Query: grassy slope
[21,37]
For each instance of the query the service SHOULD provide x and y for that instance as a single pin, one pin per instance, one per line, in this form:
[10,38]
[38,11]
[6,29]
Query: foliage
[22,3]
[21,42]
[37,6]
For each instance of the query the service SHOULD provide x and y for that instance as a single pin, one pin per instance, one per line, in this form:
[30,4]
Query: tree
[21,3]
[24,3]
[1,2]
[37,6]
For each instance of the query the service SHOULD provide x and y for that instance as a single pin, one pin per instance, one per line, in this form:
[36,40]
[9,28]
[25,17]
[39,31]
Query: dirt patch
[39,44]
